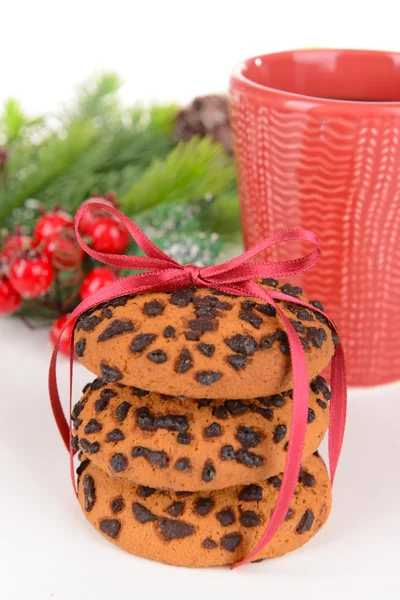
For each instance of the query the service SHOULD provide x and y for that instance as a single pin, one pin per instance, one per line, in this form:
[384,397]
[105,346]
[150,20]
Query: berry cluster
[31,267]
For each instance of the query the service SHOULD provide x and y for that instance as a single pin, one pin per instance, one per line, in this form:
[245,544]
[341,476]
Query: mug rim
[238,78]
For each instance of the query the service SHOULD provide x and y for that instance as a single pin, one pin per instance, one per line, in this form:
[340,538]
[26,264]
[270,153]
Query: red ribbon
[233,277]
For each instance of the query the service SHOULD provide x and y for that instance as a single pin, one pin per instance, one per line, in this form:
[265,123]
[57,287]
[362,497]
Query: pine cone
[206,115]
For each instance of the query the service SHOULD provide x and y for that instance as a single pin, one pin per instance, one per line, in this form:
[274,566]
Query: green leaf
[192,170]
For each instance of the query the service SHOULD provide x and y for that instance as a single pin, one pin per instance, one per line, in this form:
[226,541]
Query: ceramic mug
[317,145]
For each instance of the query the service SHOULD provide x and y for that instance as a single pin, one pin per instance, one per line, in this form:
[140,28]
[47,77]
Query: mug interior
[357,75]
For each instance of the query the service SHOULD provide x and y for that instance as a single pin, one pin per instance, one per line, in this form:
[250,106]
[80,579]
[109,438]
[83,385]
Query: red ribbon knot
[236,277]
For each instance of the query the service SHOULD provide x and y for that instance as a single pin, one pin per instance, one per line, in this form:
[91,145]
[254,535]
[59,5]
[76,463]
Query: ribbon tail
[296,442]
[58,412]
[338,409]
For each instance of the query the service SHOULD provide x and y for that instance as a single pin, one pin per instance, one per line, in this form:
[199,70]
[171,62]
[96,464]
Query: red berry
[66,336]
[14,243]
[10,300]
[92,215]
[31,274]
[109,236]
[63,251]
[51,223]
[96,279]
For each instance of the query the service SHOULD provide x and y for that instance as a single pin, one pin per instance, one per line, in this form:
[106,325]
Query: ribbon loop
[234,277]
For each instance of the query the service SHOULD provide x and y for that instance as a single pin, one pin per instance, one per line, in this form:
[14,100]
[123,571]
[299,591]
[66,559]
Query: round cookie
[202,530]
[186,444]
[200,343]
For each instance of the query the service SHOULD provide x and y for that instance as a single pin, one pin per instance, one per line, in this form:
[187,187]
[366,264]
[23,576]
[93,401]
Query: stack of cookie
[183,436]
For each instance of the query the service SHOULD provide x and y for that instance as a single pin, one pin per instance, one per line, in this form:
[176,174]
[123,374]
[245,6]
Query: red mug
[317,145]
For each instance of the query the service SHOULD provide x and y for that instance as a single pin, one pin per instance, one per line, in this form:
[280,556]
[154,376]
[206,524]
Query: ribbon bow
[234,277]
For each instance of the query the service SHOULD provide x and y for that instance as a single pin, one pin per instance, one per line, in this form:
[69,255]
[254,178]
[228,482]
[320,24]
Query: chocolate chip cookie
[188,444]
[203,529]
[200,343]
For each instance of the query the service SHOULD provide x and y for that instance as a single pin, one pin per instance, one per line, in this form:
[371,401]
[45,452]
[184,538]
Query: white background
[173,51]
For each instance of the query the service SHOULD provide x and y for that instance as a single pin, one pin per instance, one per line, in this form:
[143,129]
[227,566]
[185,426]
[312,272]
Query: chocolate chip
[88,447]
[317,336]
[307,479]
[87,323]
[115,328]
[75,443]
[204,505]
[193,336]
[202,402]
[317,304]
[86,388]
[77,423]
[97,384]
[242,344]
[209,544]
[335,338]
[202,324]
[118,463]
[80,347]
[231,541]
[276,400]
[236,407]
[169,331]
[275,481]
[184,361]
[183,464]
[122,410]
[107,313]
[270,282]
[183,297]
[321,403]
[110,527]
[248,304]
[291,290]
[141,341]
[220,412]
[84,465]
[298,325]
[174,530]
[226,517]
[266,309]
[153,308]
[284,347]
[76,411]
[121,301]
[251,318]
[319,385]
[206,349]
[321,319]
[89,492]
[237,361]
[92,426]
[142,514]
[158,459]
[110,374]
[208,377]
[289,514]
[247,437]
[209,472]
[101,404]
[115,435]
[212,431]
[140,451]
[157,356]
[184,438]
[175,509]
[306,522]
[267,341]
[249,518]
[251,493]
[107,394]
[300,312]
[227,452]
[249,459]
[311,416]
[264,412]
[117,505]
[145,492]
[139,392]
[279,433]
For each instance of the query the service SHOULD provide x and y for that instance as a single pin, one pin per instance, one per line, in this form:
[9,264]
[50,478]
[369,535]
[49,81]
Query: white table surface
[48,549]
